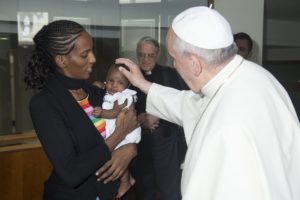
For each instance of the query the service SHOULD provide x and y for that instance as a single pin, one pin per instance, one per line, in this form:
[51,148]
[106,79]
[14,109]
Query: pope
[242,130]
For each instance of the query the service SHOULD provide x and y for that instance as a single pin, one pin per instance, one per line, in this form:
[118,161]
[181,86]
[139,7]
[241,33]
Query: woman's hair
[213,57]
[56,38]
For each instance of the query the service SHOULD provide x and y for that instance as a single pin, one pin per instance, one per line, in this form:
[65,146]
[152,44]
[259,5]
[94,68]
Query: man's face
[243,48]
[147,55]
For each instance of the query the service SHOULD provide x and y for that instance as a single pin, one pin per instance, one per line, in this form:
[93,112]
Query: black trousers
[157,166]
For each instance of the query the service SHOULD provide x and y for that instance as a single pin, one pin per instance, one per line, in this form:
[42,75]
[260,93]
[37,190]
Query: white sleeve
[165,103]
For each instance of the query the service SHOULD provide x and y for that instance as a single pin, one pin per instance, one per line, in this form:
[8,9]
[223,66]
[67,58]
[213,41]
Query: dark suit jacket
[163,75]
[166,76]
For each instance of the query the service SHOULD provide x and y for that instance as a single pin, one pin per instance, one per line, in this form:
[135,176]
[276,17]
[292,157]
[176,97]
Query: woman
[62,61]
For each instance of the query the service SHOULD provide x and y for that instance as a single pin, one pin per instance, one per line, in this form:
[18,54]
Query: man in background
[244,43]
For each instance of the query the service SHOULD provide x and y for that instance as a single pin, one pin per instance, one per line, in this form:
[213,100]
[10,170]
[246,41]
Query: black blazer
[71,142]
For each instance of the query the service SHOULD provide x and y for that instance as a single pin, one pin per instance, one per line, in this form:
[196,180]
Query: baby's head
[115,80]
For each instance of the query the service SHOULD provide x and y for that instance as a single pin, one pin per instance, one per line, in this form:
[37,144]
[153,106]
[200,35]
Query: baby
[117,90]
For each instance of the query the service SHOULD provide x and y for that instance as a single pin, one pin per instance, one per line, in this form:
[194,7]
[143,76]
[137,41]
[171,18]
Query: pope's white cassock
[242,132]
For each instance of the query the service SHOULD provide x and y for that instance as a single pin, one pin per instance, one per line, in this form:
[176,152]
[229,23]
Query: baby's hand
[97,112]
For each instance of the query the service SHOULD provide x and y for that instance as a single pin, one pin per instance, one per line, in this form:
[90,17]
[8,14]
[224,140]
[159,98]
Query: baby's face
[116,82]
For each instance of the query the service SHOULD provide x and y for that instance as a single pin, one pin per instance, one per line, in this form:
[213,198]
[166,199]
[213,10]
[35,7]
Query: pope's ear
[60,61]
[196,64]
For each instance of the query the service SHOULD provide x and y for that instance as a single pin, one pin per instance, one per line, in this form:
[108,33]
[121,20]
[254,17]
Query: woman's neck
[75,86]
[70,83]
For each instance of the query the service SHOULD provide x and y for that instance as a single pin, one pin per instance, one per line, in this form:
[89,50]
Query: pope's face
[147,55]
[180,62]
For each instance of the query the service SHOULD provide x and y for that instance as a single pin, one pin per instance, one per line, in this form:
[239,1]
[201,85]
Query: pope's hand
[134,75]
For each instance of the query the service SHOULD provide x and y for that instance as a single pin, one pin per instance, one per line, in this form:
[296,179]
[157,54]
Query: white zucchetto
[203,27]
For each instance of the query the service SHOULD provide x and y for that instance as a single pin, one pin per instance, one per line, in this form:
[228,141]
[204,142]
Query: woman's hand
[114,168]
[125,123]
[127,120]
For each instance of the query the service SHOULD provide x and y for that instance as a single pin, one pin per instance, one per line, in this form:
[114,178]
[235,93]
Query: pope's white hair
[213,57]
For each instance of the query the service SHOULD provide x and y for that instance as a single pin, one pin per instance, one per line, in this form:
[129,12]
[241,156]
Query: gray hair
[213,57]
[149,40]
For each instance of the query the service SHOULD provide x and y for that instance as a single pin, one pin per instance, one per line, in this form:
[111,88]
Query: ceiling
[282,10]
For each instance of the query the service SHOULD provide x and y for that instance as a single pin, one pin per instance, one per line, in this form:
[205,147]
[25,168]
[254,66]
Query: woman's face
[79,62]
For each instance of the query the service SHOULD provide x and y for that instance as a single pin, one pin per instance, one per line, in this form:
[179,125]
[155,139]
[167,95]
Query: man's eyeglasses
[149,56]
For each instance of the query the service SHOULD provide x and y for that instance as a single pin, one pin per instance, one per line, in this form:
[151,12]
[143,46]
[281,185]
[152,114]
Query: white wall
[245,16]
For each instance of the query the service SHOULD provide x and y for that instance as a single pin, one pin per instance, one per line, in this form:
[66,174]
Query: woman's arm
[113,169]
